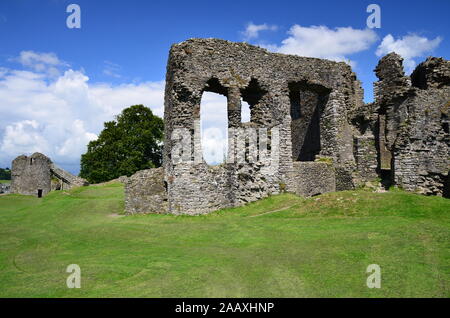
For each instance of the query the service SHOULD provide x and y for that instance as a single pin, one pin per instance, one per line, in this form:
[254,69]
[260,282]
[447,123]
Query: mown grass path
[317,247]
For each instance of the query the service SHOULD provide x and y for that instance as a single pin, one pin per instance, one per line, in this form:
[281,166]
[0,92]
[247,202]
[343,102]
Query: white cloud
[111,69]
[24,136]
[214,123]
[252,30]
[323,42]
[214,126]
[3,71]
[59,116]
[409,47]
[41,62]
[214,145]
[245,112]
[76,142]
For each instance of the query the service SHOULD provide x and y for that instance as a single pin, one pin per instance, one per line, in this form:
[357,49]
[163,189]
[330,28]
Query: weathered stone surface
[308,99]
[314,178]
[316,108]
[366,157]
[413,124]
[37,175]
[145,192]
[31,175]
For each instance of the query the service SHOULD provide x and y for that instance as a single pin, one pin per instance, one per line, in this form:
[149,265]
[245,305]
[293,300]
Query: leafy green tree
[5,174]
[128,144]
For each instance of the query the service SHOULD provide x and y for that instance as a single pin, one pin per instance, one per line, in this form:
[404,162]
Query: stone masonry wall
[314,178]
[145,192]
[37,174]
[31,174]
[315,108]
[269,83]
[366,157]
[413,123]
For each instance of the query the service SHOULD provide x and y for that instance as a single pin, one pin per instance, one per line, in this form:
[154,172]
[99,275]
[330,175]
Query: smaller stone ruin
[37,175]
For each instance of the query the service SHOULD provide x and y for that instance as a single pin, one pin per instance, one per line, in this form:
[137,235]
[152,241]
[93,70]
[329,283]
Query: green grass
[5,181]
[282,246]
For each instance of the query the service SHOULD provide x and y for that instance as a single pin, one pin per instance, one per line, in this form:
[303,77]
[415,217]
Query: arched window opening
[245,112]
[251,96]
[214,124]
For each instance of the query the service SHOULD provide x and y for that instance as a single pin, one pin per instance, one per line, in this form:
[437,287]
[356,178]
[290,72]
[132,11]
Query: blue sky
[58,85]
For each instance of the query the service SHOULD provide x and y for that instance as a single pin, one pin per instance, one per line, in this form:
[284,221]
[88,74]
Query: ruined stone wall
[314,178]
[273,85]
[31,175]
[413,123]
[145,192]
[366,157]
[314,109]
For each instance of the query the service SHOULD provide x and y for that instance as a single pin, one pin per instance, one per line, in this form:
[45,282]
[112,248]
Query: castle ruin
[37,175]
[327,138]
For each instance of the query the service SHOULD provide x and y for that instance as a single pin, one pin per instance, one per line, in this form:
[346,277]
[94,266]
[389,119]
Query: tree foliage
[5,174]
[128,144]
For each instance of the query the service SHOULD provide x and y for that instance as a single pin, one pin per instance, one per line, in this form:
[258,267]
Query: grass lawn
[282,246]
[5,181]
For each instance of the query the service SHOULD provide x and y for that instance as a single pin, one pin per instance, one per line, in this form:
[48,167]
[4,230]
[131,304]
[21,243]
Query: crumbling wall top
[208,58]
[36,155]
[390,67]
[434,72]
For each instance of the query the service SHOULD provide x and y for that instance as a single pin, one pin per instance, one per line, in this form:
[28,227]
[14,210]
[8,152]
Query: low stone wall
[314,178]
[145,192]
[67,180]
[306,101]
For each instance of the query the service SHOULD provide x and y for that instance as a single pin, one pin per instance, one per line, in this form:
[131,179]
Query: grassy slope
[317,247]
